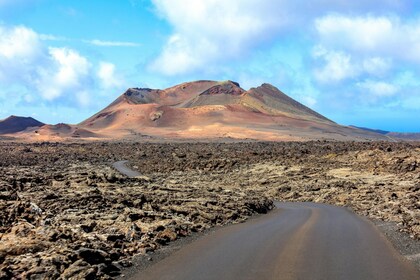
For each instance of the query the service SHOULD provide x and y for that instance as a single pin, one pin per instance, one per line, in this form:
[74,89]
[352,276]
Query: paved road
[294,241]
[122,168]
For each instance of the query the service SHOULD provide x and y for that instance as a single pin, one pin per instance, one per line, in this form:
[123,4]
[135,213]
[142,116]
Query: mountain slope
[170,96]
[207,110]
[268,99]
[15,124]
[211,110]
[223,93]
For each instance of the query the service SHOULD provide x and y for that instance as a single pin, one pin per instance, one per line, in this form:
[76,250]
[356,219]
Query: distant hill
[15,124]
[404,136]
[410,136]
[383,132]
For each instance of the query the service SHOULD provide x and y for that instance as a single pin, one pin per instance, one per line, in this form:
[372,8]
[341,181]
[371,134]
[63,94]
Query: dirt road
[294,241]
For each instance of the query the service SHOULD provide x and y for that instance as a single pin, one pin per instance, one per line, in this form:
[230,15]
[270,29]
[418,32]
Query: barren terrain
[197,111]
[65,212]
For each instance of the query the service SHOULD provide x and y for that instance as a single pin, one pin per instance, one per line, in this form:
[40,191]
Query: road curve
[294,241]
[122,168]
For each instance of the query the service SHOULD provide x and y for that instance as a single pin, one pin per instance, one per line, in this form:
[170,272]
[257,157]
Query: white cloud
[374,55]
[338,66]
[71,65]
[381,35]
[102,43]
[21,53]
[377,66]
[355,32]
[46,73]
[106,74]
[206,32]
[378,88]
[68,72]
[18,43]
[209,31]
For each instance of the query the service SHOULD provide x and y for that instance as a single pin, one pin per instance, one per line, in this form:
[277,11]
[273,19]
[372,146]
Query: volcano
[201,110]
[215,110]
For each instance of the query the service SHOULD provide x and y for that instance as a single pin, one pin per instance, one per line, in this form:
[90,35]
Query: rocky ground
[64,212]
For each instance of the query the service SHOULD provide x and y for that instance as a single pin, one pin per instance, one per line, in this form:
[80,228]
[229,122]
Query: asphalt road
[122,168]
[294,241]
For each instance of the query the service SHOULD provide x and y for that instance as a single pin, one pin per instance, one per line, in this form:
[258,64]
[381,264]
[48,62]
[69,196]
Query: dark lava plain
[65,212]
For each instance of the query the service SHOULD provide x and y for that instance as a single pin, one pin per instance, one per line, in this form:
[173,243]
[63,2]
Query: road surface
[122,168]
[294,241]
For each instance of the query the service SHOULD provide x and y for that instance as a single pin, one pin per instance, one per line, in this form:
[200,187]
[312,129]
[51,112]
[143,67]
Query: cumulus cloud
[377,66]
[372,56]
[19,42]
[378,88]
[68,72]
[336,66]
[108,77]
[50,73]
[352,46]
[382,35]
[208,31]
[20,53]
[210,34]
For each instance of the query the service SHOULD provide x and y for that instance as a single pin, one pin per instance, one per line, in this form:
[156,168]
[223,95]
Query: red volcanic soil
[207,110]
[56,132]
[214,110]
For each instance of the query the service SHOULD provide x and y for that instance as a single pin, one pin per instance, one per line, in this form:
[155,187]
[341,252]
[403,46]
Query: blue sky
[357,62]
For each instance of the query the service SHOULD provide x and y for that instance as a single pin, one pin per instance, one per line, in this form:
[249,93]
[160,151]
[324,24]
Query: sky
[356,62]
